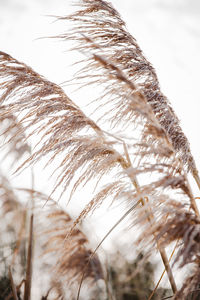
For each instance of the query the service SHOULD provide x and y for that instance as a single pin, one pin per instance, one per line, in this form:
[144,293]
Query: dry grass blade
[182,224]
[13,217]
[97,26]
[177,223]
[163,273]
[59,126]
[13,135]
[73,254]
[101,242]
[66,259]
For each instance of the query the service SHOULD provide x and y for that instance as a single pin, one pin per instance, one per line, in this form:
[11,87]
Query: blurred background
[168,32]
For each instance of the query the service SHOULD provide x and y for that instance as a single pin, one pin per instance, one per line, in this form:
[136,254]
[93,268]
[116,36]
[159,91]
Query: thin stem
[197,179]
[162,251]
[14,290]
[168,269]
[157,285]
[195,174]
[28,280]
[151,217]
[192,198]
[107,234]
[169,297]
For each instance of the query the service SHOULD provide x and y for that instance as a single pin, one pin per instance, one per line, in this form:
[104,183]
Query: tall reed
[81,150]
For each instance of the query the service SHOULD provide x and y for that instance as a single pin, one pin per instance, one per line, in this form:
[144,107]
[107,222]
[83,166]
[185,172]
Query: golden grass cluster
[163,204]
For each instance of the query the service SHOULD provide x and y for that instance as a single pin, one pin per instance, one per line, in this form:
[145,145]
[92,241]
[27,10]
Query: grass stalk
[14,290]
[157,285]
[196,177]
[195,174]
[28,280]
[101,242]
[168,269]
[162,251]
